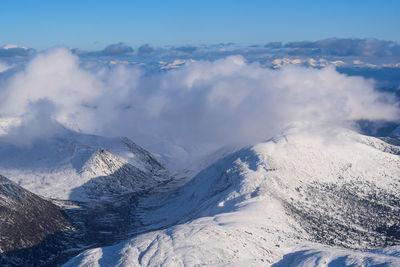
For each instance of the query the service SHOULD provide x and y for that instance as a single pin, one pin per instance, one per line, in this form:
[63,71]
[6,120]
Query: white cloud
[199,106]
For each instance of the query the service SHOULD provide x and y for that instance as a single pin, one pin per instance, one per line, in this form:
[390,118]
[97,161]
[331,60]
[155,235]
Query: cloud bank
[145,50]
[9,51]
[117,49]
[112,50]
[346,47]
[202,106]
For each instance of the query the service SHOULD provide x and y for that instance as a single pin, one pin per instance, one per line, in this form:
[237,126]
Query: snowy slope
[26,219]
[337,257]
[304,188]
[78,166]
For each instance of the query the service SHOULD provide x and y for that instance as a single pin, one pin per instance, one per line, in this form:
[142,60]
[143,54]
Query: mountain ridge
[57,167]
[25,218]
[261,203]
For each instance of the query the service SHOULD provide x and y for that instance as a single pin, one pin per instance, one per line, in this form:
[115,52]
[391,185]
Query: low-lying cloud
[202,106]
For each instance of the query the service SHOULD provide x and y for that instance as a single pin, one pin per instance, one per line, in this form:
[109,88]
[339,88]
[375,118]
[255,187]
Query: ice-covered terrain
[307,197]
[78,166]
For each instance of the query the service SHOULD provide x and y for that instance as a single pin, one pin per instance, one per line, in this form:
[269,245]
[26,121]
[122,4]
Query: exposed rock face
[25,218]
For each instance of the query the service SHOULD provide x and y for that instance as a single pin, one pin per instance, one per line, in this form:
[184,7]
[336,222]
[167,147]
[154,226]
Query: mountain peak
[63,166]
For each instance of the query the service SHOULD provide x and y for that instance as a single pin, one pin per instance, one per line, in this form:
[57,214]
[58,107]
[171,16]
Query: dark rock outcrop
[25,218]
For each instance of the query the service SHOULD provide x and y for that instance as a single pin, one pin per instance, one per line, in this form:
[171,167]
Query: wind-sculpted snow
[253,207]
[78,166]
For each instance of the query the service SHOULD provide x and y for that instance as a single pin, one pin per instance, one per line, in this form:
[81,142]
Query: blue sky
[95,24]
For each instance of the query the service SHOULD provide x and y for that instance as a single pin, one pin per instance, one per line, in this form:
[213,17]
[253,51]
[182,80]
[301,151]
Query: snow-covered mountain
[82,167]
[307,197]
[338,257]
[25,218]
